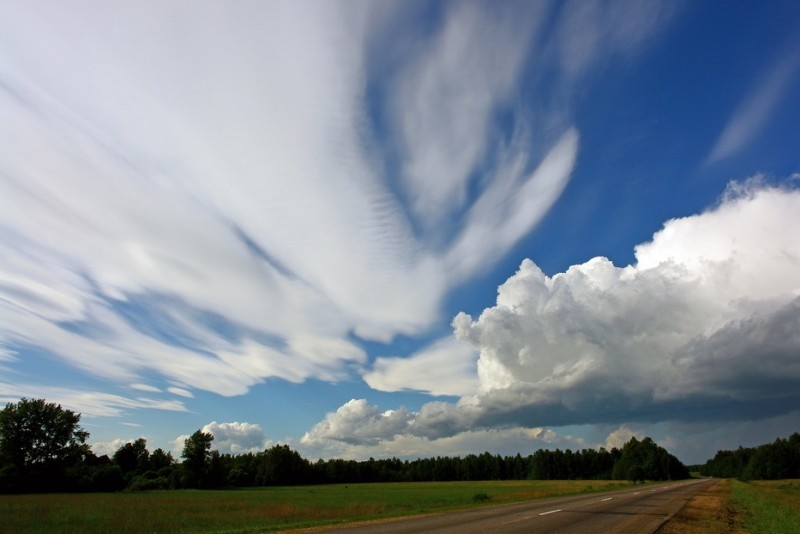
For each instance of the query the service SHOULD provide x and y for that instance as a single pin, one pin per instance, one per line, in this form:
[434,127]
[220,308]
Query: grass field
[264,509]
[768,506]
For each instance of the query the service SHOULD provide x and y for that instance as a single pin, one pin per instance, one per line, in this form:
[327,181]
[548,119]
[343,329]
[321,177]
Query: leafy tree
[161,460]
[656,462]
[133,458]
[38,441]
[281,466]
[636,474]
[196,453]
[771,461]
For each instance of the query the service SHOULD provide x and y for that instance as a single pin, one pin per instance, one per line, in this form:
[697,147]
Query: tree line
[43,448]
[770,461]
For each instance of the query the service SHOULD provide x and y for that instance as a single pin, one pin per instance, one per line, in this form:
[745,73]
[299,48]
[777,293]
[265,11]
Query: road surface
[639,510]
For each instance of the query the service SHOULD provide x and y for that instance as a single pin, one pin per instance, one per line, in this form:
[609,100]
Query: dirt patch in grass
[709,511]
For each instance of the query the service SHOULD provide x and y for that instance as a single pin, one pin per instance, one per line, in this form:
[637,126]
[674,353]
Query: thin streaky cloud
[752,114]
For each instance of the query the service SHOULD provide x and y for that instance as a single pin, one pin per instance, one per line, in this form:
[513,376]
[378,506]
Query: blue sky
[403,228]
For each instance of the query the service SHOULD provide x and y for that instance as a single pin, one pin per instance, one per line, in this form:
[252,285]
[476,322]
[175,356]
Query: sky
[403,229]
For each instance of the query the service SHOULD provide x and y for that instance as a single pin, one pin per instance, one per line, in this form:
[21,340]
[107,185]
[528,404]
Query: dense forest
[771,461]
[43,448]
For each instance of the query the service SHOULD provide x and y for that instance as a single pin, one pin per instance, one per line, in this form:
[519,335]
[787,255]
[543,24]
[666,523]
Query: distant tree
[133,458]
[636,474]
[196,453]
[281,466]
[160,460]
[38,441]
[770,461]
[656,462]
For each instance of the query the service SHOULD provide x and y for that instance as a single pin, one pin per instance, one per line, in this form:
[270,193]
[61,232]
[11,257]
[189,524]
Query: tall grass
[769,506]
[262,509]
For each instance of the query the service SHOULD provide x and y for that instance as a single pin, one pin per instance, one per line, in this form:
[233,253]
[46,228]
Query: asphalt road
[637,510]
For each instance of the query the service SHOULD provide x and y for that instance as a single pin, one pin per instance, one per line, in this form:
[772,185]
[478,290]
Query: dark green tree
[161,460]
[38,442]
[196,453]
[281,466]
[656,462]
[636,474]
[133,458]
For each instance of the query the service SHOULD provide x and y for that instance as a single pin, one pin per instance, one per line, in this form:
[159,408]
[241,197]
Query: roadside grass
[768,506]
[265,509]
[709,511]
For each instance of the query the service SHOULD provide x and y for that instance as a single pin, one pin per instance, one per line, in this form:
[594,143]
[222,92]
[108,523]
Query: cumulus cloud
[360,430]
[702,328]
[619,437]
[108,448]
[236,438]
[358,422]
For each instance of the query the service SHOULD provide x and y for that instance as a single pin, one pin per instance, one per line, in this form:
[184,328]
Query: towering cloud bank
[705,324]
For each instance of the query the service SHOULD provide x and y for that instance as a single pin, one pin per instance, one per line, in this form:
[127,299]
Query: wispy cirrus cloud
[752,114]
[88,403]
[588,31]
[445,367]
[209,208]
[446,101]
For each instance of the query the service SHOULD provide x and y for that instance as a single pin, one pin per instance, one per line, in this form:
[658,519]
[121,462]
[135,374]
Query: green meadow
[264,509]
[768,506]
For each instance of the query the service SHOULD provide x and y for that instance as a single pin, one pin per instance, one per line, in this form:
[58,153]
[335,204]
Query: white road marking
[637,493]
[550,512]
[607,499]
[518,520]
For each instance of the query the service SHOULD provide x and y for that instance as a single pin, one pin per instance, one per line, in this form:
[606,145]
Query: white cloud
[511,206]
[108,448]
[589,29]
[705,327]
[619,437]
[358,422]
[445,101]
[180,392]
[178,444]
[752,114]
[235,437]
[446,367]
[358,430]
[701,327]
[209,210]
[145,387]
[87,403]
